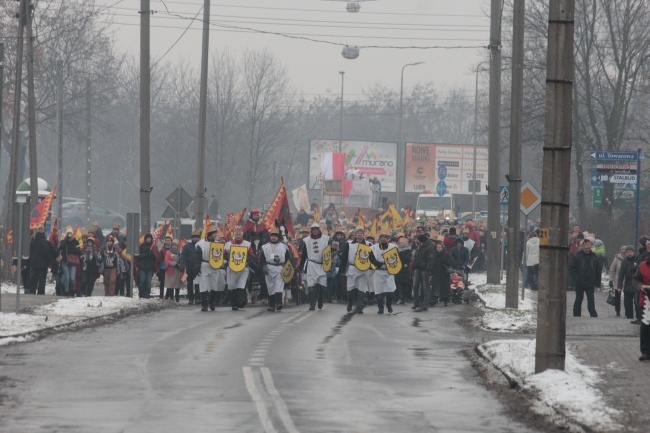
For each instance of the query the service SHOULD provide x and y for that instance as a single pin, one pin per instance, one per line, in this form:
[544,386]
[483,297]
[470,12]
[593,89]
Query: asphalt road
[181,370]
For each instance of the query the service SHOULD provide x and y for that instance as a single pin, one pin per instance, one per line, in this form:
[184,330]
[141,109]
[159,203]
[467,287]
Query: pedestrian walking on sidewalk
[641,282]
[625,285]
[586,270]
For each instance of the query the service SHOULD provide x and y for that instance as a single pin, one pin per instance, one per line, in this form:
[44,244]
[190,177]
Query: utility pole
[475,144]
[31,110]
[514,179]
[59,139]
[203,104]
[15,131]
[550,351]
[2,81]
[88,153]
[494,138]
[145,117]
[341,113]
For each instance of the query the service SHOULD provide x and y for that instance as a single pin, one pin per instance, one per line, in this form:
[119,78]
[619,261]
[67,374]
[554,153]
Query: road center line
[293,316]
[304,317]
[259,402]
[280,405]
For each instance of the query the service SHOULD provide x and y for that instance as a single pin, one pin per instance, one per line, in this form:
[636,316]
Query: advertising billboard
[448,167]
[371,159]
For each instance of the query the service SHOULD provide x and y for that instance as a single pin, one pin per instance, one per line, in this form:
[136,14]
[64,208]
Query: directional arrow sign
[599,178]
[622,178]
[614,156]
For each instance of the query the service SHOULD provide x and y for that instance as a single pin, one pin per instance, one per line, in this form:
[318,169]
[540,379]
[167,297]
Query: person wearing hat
[357,280]
[187,263]
[624,284]
[585,269]
[89,266]
[254,225]
[423,265]
[273,258]
[118,237]
[173,272]
[384,282]
[41,254]
[212,280]
[311,263]
[161,266]
[71,253]
[237,280]
[146,264]
[97,233]
[110,265]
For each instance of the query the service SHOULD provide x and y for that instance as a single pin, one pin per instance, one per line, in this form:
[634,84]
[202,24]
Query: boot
[241,298]
[177,295]
[233,300]
[169,294]
[204,301]
[211,299]
[311,296]
[278,301]
[389,302]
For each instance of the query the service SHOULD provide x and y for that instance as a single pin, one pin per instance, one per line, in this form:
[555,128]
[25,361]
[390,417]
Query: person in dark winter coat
[440,277]
[586,270]
[41,254]
[422,264]
[146,266]
[403,278]
[71,253]
[89,266]
[187,263]
[641,281]
[459,255]
[625,284]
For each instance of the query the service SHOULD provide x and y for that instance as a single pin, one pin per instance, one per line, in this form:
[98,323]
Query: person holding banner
[209,263]
[311,262]
[239,254]
[274,257]
[355,256]
[385,256]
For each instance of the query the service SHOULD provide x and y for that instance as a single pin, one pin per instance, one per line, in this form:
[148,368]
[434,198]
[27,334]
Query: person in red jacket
[641,282]
[474,235]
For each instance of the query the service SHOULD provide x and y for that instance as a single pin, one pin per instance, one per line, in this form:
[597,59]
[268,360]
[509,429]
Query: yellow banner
[287,272]
[327,258]
[216,255]
[362,259]
[392,261]
[238,256]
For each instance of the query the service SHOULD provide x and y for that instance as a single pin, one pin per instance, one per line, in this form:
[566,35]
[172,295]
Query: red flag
[54,233]
[38,216]
[279,210]
[233,220]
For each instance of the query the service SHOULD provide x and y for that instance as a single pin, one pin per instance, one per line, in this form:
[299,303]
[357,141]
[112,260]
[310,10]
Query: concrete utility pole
[2,81]
[475,144]
[31,111]
[494,138]
[514,179]
[59,139]
[203,104]
[341,113]
[550,349]
[145,117]
[15,131]
[88,153]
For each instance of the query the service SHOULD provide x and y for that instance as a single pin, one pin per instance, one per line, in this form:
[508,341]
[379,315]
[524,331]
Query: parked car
[74,214]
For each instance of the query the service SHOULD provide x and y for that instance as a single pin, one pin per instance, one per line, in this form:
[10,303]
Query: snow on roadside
[498,318]
[14,327]
[571,393]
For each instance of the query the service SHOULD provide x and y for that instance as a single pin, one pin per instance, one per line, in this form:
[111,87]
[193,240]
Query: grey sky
[314,67]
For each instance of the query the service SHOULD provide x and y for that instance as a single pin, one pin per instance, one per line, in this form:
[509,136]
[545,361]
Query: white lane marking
[280,405]
[256,359]
[259,403]
[304,317]
[294,316]
[259,352]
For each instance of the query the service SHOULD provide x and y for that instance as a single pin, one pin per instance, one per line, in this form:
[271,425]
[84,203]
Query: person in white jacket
[532,260]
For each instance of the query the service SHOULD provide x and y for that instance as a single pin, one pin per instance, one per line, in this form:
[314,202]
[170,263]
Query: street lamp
[399,142]
[341,119]
[350,53]
[353,7]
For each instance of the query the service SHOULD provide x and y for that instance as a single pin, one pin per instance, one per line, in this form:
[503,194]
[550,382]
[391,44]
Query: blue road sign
[442,172]
[441,188]
[614,156]
[504,194]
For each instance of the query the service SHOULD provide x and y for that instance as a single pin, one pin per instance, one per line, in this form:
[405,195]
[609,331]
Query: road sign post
[179,201]
[132,244]
[638,194]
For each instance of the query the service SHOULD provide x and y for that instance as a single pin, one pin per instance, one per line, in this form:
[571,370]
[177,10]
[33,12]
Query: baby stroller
[458,287]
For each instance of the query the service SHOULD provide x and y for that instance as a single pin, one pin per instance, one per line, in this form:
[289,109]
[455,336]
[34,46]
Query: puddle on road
[234,325]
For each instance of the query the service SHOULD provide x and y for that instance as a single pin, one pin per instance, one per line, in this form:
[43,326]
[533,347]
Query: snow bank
[498,318]
[571,393]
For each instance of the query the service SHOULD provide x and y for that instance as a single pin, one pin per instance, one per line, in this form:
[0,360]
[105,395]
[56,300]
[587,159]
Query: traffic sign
[529,199]
[441,188]
[614,156]
[504,195]
[170,213]
[179,200]
[622,178]
[616,167]
[623,198]
[442,172]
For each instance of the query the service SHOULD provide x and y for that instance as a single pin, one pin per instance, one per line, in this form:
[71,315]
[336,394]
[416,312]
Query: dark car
[74,214]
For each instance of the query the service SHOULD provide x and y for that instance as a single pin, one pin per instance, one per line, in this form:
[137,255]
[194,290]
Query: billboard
[450,166]
[370,158]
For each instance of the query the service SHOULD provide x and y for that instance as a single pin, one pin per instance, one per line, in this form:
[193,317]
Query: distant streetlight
[341,119]
[350,53]
[353,7]
[399,143]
